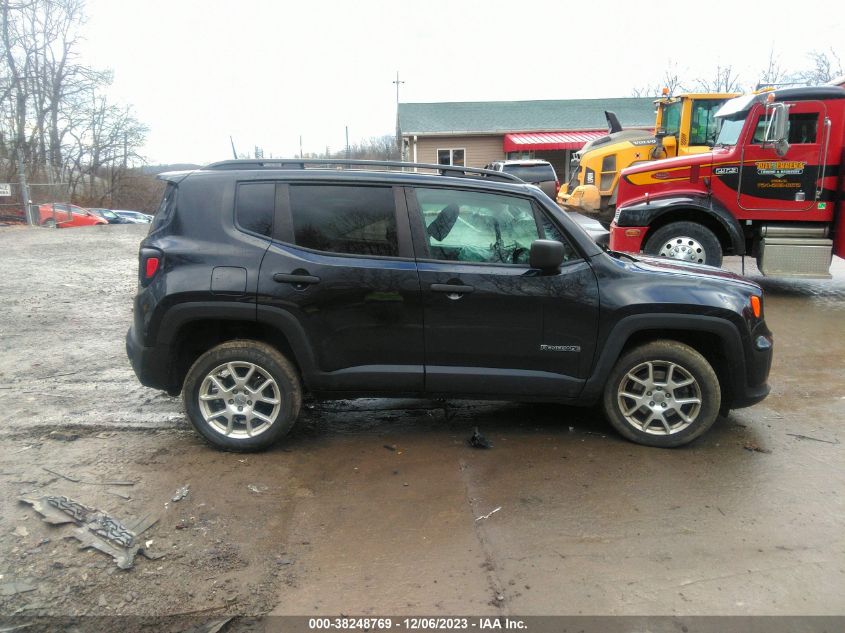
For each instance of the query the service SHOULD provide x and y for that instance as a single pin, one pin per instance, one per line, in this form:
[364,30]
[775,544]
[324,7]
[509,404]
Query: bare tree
[773,74]
[671,80]
[824,67]
[723,80]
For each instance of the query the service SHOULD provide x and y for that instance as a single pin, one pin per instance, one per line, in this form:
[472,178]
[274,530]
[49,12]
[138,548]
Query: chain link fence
[42,198]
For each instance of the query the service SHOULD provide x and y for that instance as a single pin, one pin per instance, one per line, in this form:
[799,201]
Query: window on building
[255,206]
[355,220]
[451,157]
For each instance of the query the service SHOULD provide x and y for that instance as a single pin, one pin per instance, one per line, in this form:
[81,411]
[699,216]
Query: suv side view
[262,280]
[533,171]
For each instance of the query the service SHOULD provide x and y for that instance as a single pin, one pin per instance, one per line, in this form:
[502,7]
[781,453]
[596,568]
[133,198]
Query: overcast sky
[267,72]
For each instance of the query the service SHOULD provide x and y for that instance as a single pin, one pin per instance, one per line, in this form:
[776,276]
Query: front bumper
[627,239]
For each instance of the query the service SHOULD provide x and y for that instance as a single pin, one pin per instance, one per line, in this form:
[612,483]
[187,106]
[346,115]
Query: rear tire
[662,394]
[242,395]
[685,241]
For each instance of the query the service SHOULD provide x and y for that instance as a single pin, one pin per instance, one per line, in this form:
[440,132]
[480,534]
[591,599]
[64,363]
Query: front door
[493,325]
[783,183]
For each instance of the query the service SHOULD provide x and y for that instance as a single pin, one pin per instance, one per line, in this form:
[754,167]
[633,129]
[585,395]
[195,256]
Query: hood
[670,163]
[686,269]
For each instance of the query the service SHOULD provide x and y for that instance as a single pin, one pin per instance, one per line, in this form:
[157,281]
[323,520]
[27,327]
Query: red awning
[518,142]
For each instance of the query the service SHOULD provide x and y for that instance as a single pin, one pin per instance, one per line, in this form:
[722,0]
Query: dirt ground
[379,506]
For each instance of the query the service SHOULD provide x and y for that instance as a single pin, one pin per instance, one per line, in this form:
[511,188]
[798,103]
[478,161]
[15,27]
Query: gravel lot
[374,506]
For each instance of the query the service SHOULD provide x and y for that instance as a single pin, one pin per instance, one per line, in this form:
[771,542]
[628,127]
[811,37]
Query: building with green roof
[476,133]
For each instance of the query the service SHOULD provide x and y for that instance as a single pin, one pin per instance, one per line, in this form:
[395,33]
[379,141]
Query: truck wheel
[686,241]
[662,394]
[242,395]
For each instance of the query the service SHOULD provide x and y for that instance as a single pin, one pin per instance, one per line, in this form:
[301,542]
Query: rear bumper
[149,363]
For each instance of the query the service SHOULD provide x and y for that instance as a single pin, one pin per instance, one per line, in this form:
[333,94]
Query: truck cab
[684,124]
[770,187]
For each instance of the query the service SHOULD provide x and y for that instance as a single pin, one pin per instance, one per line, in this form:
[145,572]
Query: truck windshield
[729,132]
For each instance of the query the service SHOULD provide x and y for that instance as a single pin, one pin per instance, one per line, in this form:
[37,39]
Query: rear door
[493,325]
[341,265]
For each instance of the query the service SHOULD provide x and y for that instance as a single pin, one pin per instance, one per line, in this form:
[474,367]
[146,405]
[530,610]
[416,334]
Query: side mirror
[546,255]
[777,130]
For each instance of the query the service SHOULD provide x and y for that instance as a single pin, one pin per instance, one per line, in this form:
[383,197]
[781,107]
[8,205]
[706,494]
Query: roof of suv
[527,161]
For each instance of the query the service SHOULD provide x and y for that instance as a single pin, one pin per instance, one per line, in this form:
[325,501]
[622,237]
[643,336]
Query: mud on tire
[663,393]
[242,395]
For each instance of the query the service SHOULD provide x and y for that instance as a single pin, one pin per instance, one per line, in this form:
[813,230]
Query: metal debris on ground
[256,488]
[479,441]
[181,493]
[63,436]
[488,515]
[97,529]
[814,439]
[77,480]
[15,587]
[752,447]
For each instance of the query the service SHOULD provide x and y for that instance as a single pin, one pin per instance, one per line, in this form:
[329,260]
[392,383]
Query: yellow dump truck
[685,124]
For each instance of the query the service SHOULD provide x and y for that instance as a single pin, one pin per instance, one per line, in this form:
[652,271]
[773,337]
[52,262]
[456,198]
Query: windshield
[729,133]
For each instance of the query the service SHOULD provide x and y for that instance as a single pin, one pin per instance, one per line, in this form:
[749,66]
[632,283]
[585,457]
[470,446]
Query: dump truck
[772,188]
[685,124]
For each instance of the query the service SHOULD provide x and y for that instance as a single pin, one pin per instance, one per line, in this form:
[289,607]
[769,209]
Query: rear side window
[353,220]
[165,208]
[531,173]
[255,207]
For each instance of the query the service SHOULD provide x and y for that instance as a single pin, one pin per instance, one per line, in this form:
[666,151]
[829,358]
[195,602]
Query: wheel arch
[716,339]
[727,232]
[191,330]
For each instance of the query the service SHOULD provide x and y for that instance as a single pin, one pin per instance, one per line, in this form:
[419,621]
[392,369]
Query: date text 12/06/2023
[416,623]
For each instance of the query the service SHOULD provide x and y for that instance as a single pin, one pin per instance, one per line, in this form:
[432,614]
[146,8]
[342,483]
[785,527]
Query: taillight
[150,264]
[557,185]
[150,267]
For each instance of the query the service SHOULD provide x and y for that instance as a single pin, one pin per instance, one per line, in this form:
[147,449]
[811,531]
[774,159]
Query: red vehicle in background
[772,187]
[63,215]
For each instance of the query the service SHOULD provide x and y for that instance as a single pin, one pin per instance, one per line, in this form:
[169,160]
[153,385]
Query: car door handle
[452,288]
[288,278]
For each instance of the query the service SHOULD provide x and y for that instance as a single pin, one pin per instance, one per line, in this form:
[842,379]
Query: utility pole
[24,190]
[300,147]
[398,130]
[347,142]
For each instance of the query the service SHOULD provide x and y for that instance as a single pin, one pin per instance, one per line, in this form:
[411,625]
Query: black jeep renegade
[262,280]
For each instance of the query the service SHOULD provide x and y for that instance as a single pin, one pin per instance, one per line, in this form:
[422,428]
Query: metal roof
[550,140]
[492,117]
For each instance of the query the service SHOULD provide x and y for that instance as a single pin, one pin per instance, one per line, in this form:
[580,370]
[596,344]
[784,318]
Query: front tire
[242,395]
[685,241]
[662,394]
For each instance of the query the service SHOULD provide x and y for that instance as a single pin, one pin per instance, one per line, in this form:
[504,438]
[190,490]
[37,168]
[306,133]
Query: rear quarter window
[255,207]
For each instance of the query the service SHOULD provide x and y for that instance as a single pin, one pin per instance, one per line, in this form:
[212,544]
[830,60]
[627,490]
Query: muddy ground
[377,507]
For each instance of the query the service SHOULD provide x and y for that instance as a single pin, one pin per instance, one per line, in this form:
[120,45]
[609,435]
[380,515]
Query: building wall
[478,150]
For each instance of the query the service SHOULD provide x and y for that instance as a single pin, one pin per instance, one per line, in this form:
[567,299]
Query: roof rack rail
[303,163]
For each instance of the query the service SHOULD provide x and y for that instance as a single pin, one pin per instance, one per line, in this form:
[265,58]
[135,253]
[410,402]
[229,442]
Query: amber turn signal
[755,306]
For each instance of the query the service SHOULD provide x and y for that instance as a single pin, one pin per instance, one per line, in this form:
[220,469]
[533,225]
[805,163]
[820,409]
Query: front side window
[671,119]
[450,157]
[255,207]
[468,226]
[354,220]
[802,128]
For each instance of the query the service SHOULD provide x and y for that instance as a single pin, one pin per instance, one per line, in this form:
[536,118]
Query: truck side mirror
[546,255]
[777,130]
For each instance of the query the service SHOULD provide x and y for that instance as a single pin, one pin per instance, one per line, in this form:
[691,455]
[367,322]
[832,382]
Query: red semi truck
[772,188]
